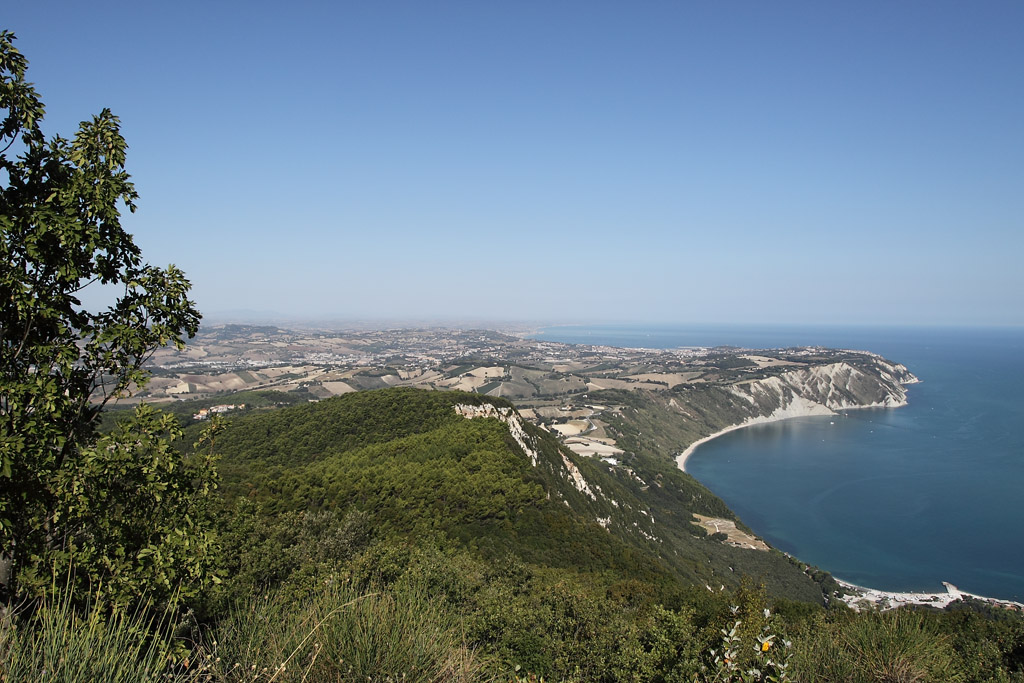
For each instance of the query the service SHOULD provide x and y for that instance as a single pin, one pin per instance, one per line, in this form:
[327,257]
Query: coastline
[809,410]
[682,457]
[945,362]
[859,597]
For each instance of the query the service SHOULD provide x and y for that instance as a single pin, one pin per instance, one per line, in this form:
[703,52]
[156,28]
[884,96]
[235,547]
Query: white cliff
[818,390]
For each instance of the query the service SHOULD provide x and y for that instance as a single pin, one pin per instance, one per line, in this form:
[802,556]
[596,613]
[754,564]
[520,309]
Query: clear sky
[747,162]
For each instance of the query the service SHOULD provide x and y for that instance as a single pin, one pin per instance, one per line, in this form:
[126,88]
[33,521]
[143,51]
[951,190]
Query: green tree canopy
[60,232]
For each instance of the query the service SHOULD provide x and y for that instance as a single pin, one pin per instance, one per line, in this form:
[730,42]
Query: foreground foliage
[342,633]
[63,492]
[427,614]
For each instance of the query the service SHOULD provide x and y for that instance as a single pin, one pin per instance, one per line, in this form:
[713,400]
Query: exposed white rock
[515,427]
[507,415]
[576,477]
[859,597]
[649,537]
[818,390]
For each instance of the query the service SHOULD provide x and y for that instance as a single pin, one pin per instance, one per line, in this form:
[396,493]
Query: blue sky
[672,162]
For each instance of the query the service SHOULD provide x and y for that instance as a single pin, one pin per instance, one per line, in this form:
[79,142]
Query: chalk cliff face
[864,380]
[854,380]
[825,389]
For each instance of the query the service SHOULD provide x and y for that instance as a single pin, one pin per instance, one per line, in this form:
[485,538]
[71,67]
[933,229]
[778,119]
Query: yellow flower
[765,645]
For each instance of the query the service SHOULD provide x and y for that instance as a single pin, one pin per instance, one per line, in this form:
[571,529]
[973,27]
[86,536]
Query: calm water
[898,499]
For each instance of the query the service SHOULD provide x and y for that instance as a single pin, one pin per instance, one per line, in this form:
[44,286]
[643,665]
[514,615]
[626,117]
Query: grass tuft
[341,634]
[61,642]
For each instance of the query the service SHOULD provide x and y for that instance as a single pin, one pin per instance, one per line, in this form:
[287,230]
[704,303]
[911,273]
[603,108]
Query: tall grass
[336,634]
[60,642]
[340,634]
[403,633]
[900,646]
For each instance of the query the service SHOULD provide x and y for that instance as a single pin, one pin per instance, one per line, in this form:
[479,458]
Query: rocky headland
[826,389]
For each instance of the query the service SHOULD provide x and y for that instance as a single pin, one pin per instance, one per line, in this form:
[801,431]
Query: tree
[60,232]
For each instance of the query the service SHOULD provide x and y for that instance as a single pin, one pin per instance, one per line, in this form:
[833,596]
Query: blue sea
[894,499]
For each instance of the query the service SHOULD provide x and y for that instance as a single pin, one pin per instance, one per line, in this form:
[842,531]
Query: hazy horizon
[788,163]
[248,317]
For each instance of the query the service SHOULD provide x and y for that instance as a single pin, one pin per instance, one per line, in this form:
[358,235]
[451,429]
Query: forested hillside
[414,467]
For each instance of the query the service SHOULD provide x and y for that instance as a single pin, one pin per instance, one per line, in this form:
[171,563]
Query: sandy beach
[681,458]
[798,408]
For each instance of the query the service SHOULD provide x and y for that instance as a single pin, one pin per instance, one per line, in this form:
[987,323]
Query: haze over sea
[894,499]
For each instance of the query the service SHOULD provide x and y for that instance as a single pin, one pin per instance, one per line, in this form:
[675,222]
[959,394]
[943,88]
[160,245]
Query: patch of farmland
[513,390]
[159,384]
[364,382]
[228,382]
[565,367]
[528,413]
[598,383]
[334,375]
[211,383]
[427,377]
[418,375]
[571,428]
[247,377]
[463,383]
[292,370]
[488,372]
[599,431]
[592,447]
[561,412]
[528,375]
[492,388]
[670,378]
[563,385]
[336,387]
[319,390]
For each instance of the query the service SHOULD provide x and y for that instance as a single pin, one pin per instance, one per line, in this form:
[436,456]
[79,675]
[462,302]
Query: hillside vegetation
[415,467]
[386,536]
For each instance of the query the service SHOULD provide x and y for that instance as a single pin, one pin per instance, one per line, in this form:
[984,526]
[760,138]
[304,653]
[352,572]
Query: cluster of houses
[204,413]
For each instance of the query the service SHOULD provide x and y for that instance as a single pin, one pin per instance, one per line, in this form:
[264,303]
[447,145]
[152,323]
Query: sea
[898,499]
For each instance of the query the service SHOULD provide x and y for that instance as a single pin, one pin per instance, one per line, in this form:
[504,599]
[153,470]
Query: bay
[894,499]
